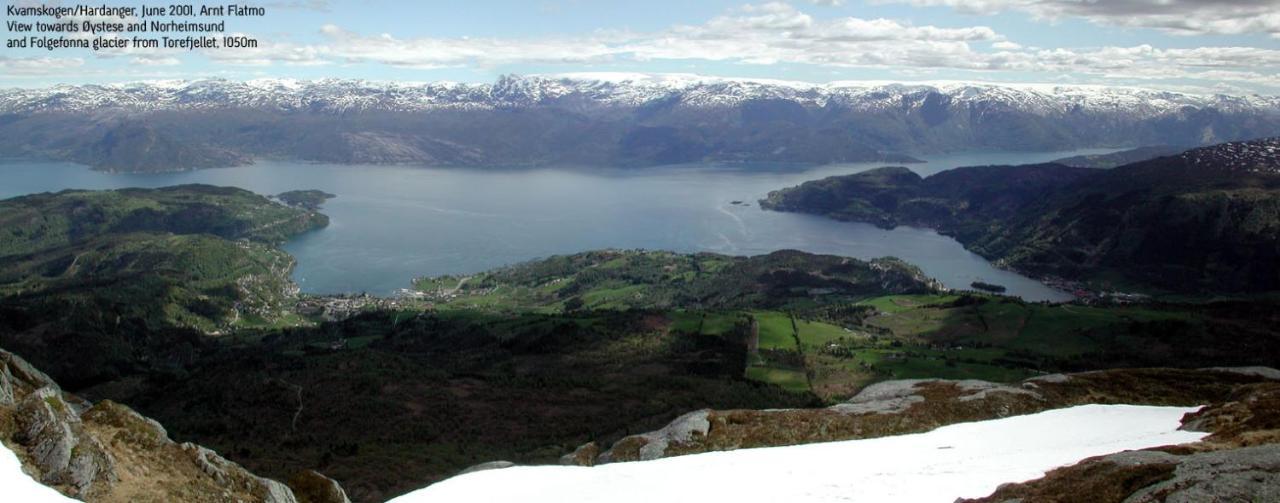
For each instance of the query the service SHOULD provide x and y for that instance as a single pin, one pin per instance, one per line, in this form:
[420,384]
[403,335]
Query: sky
[1222,46]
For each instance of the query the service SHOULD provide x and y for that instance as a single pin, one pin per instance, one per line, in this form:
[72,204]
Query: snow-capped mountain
[598,119]
[622,90]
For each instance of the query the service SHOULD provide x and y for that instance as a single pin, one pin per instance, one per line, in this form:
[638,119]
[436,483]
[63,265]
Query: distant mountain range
[1204,220]
[596,119]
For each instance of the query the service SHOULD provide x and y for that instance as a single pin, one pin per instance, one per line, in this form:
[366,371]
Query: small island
[987,287]
[308,199]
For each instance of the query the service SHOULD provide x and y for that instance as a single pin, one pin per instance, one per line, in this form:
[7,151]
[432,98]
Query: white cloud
[779,33]
[766,34]
[1240,64]
[448,52]
[758,34]
[152,60]
[38,66]
[1184,17]
[314,5]
[268,53]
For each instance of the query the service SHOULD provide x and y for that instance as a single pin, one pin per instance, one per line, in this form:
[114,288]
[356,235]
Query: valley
[584,353]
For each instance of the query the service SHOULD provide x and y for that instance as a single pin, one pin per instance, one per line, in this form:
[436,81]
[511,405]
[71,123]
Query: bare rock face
[19,370]
[653,445]
[1246,474]
[891,397]
[63,453]
[106,452]
[884,397]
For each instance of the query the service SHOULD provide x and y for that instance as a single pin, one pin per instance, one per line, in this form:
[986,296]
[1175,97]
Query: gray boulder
[1244,474]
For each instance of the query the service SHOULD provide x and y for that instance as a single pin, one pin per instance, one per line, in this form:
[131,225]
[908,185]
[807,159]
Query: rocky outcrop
[913,406]
[107,452]
[584,455]
[230,475]
[59,448]
[16,372]
[312,487]
[653,445]
[1246,474]
[883,398]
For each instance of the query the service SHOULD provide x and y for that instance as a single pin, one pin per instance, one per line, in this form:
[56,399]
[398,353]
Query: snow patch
[962,460]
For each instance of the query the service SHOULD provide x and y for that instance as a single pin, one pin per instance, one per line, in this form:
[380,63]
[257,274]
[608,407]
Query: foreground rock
[107,452]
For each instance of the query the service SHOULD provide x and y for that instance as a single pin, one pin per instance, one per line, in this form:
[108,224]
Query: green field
[705,323]
[815,335]
[775,330]
[789,379]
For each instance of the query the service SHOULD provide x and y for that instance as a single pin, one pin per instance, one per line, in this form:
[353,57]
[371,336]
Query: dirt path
[297,389]
[458,286]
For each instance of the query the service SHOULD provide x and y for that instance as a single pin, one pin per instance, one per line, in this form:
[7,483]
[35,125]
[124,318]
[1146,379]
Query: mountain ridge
[512,90]
[543,121]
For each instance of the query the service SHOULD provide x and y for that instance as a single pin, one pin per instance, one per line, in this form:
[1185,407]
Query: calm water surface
[390,223]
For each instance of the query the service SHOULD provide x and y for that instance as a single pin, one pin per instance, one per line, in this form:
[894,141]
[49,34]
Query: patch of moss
[56,404]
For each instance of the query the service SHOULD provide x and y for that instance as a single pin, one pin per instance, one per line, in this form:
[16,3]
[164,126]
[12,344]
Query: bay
[390,224]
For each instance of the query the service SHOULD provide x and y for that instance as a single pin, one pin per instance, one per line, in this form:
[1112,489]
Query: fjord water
[390,224]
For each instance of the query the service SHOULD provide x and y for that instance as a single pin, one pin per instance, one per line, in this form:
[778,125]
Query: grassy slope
[193,255]
[94,284]
[834,344]
[616,279]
